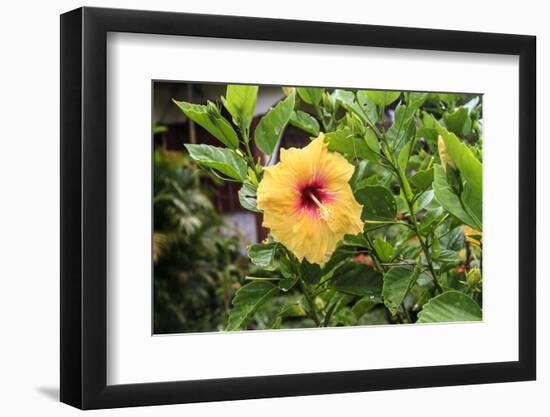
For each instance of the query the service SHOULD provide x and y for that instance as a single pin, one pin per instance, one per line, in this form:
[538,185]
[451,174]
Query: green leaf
[345,142]
[271,126]
[247,196]
[311,273]
[458,122]
[404,155]
[286,284]
[338,301]
[403,127]
[247,300]
[382,98]
[262,254]
[223,160]
[449,257]
[397,282]
[423,179]
[311,95]
[450,306]
[240,102]
[295,309]
[372,141]
[363,306]
[356,240]
[416,99]
[385,250]
[368,106]
[343,96]
[448,199]
[347,100]
[210,118]
[378,203]
[304,121]
[471,170]
[423,200]
[357,279]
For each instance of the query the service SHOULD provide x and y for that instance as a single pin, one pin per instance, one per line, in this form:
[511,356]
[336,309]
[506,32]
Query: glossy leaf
[211,119]
[448,199]
[305,121]
[272,125]
[223,160]
[471,171]
[240,102]
[345,142]
[458,122]
[423,179]
[363,306]
[403,128]
[385,250]
[378,203]
[347,100]
[450,306]
[247,300]
[262,254]
[397,282]
[372,141]
[449,257]
[247,196]
[357,279]
[311,95]
[311,273]
[382,98]
[404,154]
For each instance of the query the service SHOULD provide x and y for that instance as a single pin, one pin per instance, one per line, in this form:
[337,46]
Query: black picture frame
[84,207]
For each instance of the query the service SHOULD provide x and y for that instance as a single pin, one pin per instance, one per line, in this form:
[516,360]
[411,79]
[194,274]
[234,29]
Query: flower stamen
[324,212]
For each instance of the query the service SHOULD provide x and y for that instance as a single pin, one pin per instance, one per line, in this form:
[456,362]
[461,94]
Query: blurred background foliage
[197,264]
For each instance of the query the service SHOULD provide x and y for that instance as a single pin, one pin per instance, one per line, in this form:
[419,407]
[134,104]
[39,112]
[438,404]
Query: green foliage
[378,203]
[262,255]
[304,121]
[210,118]
[417,174]
[271,126]
[382,98]
[240,102]
[247,196]
[450,306]
[470,170]
[397,282]
[384,250]
[247,300]
[223,160]
[347,143]
[311,95]
[195,266]
[357,279]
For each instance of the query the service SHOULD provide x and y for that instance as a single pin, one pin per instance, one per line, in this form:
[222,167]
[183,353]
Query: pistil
[324,212]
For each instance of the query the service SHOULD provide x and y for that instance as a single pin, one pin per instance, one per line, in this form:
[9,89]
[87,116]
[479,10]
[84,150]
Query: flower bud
[443,154]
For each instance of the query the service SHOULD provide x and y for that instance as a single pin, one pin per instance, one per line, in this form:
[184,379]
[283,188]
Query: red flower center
[312,195]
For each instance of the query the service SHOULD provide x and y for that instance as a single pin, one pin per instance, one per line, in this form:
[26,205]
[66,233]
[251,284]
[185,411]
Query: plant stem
[252,162]
[416,230]
[424,247]
[320,117]
[312,309]
[375,258]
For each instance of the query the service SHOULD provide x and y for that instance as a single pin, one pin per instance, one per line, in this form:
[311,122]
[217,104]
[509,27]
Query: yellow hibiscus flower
[307,202]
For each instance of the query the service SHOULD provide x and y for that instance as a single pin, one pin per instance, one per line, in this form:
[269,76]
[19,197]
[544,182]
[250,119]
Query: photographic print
[281,207]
